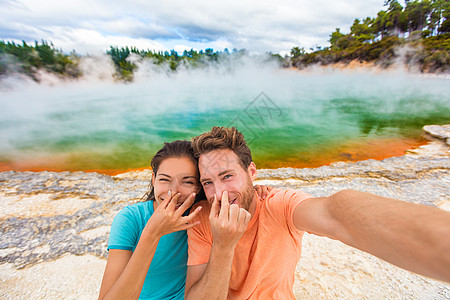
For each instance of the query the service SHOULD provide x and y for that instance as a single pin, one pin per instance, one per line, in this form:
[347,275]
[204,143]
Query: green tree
[379,24]
[124,68]
[46,53]
[341,41]
[418,13]
[445,27]
[437,14]
[394,18]
[28,60]
[335,37]
[362,32]
[297,52]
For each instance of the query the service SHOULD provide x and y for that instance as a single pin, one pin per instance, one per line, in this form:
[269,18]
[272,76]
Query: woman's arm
[125,271]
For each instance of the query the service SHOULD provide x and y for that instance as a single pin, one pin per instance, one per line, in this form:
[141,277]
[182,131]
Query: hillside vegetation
[420,30]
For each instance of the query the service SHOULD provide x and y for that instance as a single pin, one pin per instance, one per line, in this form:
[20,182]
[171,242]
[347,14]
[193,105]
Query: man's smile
[229,201]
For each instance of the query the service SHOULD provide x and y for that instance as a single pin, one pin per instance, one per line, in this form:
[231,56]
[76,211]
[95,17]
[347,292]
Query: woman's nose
[174,187]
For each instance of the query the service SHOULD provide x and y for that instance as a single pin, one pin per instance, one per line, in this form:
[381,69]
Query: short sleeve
[124,233]
[200,237]
[282,204]
[293,198]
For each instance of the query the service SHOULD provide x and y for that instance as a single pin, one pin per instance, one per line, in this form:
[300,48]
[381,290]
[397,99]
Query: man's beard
[248,194]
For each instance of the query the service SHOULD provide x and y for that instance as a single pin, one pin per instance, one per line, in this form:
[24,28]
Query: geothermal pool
[290,118]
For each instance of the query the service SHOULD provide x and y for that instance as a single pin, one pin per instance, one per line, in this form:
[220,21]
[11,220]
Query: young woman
[148,241]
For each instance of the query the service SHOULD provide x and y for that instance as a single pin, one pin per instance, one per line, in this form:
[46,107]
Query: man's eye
[206,183]
[226,176]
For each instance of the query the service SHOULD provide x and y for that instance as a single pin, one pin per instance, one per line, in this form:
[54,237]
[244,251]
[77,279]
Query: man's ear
[252,170]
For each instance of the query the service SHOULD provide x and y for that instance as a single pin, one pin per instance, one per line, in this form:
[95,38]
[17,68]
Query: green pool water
[288,117]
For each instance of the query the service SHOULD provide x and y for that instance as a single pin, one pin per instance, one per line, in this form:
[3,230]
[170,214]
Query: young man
[248,248]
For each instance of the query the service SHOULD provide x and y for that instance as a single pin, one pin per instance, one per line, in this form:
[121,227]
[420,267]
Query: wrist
[151,232]
[224,250]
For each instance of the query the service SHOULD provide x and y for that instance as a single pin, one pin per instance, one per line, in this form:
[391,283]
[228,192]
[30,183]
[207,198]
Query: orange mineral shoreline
[351,151]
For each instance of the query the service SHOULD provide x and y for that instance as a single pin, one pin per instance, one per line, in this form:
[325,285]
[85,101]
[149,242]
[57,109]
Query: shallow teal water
[283,114]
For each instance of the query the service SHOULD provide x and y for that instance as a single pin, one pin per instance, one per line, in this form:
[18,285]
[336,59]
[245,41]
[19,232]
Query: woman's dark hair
[177,149]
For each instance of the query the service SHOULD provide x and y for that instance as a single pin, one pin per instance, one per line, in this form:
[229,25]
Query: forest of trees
[188,59]
[28,60]
[421,25]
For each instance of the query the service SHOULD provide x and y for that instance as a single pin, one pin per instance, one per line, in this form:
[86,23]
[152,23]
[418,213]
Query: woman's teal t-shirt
[166,276]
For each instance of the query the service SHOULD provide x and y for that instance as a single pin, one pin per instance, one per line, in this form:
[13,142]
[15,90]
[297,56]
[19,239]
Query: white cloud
[92,41]
[181,48]
[257,25]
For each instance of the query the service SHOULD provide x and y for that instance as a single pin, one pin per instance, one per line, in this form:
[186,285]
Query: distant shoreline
[420,53]
[8,82]
[370,66]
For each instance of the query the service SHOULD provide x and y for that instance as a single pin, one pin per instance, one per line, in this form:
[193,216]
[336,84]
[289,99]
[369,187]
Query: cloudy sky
[91,26]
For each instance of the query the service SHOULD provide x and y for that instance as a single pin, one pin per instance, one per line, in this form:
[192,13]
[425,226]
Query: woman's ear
[153,179]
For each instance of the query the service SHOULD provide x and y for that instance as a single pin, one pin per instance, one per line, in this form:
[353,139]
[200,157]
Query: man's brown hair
[223,138]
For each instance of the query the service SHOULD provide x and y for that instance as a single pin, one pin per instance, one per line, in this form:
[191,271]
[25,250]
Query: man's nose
[219,189]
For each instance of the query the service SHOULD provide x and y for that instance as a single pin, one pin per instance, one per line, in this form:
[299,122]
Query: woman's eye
[163,179]
[189,182]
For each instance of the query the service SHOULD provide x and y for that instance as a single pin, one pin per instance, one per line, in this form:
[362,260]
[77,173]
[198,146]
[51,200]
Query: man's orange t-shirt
[266,256]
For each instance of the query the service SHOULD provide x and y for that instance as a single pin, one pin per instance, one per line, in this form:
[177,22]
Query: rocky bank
[54,226]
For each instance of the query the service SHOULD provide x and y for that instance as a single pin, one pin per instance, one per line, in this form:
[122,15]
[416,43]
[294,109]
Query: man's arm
[211,280]
[411,236]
